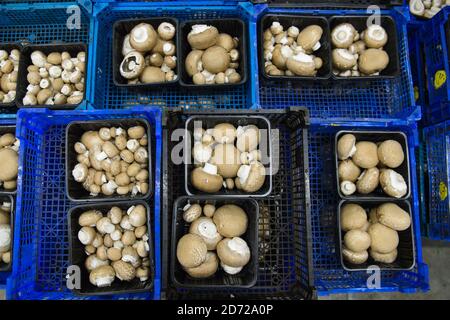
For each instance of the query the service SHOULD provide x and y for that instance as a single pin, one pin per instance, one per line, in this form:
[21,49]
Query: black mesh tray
[285,248]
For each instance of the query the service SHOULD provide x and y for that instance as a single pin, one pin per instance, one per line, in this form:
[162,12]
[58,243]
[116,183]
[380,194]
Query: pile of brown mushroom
[227,157]
[291,52]
[149,54]
[113,161]
[116,245]
[5,233]
[55,79]
[356,54]
[214,58]
[9,67]
[367,155]
[379,232]
[213,237]
[427,8]
[9,161]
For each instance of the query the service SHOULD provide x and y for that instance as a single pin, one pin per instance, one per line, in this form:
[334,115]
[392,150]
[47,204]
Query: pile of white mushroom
[149,54]
[113,161]
[214,58]
[367,155]
[227,157]
[427,8]
[55,79]
[5,233]
[9,67]
[116,245]
[379,232]
[356,54]
[9,161]
[290,52]
[213,236]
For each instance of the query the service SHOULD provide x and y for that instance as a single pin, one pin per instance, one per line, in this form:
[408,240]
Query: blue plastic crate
[437,173]
[435,36]
[106,95]
[339,100]
[40,23]
[41,245]
[329,275]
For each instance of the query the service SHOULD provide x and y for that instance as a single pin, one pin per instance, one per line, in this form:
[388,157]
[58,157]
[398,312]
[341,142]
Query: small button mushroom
[417,7]
[368,181]
[99,178]
[276,28]
[89,218]
[142,248]
[393,183]
[225,41]
[108,241]
[343,59]
[122,179]
[33,78]
[5,238]
[355,257]
[166,31]
[252,177]
[115,215]
[141,155]
[133,145]
[357,240]
[92,262]
[347,188]
[143,273]
[6,66]
[384,239]
[116,234]
[110,149]
[90,249]
[133,169]
[124,166]
[130,255]
[120,142]
[136,132]
[54,58]
[80,172]
[139,232]
[375,36]
[372,61]
[125,223]
[75,98]
[104,225]
[55,71]
[199,78]
[347,170]
[346,146]
[353,216]
[390,153]
[127,156]
[389,257]
[138,216]
[86,235]
[191,251]
[114,254]
[66,89]
[343,35]
[209,210]
[128,238]
[38,58]
[233,252]
[124,270]
[118,244]
[142,187]
[102,276]
[192,212]
[59,98]
[102,253]
[229,184]
[155,59]
[29,99]
[142,175]
[206,229]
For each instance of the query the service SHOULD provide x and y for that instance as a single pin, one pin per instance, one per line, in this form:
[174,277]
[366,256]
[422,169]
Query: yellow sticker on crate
[440,77]
[416,93]
[443,191]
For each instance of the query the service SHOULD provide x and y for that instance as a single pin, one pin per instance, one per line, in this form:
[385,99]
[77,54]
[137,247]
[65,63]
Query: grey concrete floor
[435,253]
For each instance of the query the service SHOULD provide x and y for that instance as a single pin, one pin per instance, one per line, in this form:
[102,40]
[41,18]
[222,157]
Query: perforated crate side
[40,258]
[108,96]
[329,275]
[39,23]
[284,267]
[352,99]
[437,173]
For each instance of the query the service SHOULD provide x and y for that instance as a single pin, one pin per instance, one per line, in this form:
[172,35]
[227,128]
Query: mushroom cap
[375,36]
[92,262]
[205,228]
[347,187]
[102,276]
[343,35]
[4,217]
[91,138]
[373,61]
[5,238]
[280,56]
[191,250]
[152,75]
[202,36]
[206,182]
[248,139]
[366,155]
[224,133]
[143,37]
[124,270]
[390,153]
[209,210]
[301,64]
[192,213]
[389,257]
[384,239]
[233,252]
[393,183]
[394,217]
[206,269]
[373,215]
[225,41]
[231,220]
[417,7]
[309,37]
[138,216]
[227,159]
[89,218]
[348,170]
[193,62]
[368,181]
[343,59]
[255,179]
[355,257]
[216,59]
[132,65]
[357,240]
[9,164]
[166,31]
[353,216]
[346,146]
